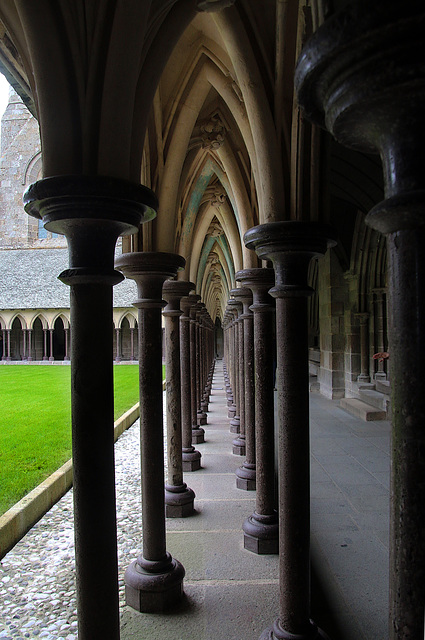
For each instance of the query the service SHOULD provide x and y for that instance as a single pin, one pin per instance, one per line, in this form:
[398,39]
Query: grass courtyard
[35,422]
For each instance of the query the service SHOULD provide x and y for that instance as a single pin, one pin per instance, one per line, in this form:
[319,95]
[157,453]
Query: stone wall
[20,165]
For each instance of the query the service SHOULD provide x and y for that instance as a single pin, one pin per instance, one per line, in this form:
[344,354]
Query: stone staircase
[373,402]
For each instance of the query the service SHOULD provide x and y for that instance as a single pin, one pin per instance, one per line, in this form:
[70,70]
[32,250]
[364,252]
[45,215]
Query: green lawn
[35,422]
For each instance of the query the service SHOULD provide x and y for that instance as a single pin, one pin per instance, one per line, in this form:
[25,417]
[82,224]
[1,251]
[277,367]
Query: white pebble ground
[37,577]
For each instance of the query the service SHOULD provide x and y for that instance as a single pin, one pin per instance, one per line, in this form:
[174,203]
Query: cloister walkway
[230,593]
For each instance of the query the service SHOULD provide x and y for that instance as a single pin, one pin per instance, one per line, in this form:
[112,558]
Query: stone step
[362,410]
[384,386]
[374,398]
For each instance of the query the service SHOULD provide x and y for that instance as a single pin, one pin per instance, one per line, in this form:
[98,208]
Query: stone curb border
[19,519]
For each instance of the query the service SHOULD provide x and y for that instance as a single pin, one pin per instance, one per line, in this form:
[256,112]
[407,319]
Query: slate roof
[29,280]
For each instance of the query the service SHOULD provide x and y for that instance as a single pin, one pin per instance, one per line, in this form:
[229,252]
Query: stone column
[201,416]
[117,344]
[29,358]
[380,107]
[51,356]
[291,246]
[8,358]
[4,332]
[239,442]
[197,431]
[364,347]
[245,475]
[92,212]
[132,343]
[261,528]
[191,457]
[235,421]
[66,343]
[155,580]
[380,313]
[178,496]
[24,344]
[45,356]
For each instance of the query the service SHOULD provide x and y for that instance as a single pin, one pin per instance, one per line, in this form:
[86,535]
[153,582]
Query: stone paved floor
[229,592]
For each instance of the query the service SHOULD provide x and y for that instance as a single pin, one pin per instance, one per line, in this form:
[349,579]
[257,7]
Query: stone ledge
[362,410]
[19,519]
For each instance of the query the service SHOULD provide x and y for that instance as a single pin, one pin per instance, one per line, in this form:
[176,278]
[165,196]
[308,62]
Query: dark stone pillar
[201,416]
[197,431]
[291,246]
[155,580]
[191,457]
[92,213]
[178,496]
[379,106]
[235,421]
[245,475]
[261,528]
[4,332]
[239,442]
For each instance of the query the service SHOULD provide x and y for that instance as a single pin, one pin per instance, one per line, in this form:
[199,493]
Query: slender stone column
[66,343]
[261,528]
[291,246]
[191,457]
[380,107]
[197,431]
[364,349]
[245,475]
[239,442]
[235,422]
[155,580]
[201,416]
[8,345]
[29,358]
[45,356]
[51,357]
[178,496]
[24,344]
[4,344]
[117,344]
[380,312]
[132,343]
[92,212]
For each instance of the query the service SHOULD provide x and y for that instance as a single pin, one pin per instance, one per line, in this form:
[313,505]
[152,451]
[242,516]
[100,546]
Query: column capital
[173,291]
[149,270]
[361,76]
[90,211]
[290,245]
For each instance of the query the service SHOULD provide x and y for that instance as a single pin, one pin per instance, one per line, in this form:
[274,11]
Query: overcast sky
[4,93]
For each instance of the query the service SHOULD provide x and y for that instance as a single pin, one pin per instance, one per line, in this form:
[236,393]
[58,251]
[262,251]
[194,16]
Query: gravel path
[37,577]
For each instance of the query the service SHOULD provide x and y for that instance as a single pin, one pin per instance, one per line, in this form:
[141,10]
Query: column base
[246,477]
[178,501]
[380,375]
[201,418]
[235,424]
[239,446]
[191,460]
[363,378]
[204,406]
[277,633]
[198,435]
[261,534]
[150,592]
